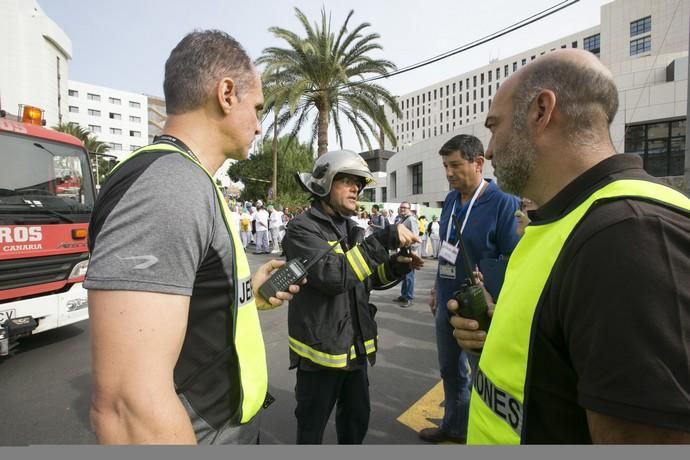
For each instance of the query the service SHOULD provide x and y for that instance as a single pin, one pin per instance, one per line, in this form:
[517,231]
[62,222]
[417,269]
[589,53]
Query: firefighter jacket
[330,321]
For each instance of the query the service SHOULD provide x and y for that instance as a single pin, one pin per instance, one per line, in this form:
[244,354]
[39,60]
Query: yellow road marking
[426,412]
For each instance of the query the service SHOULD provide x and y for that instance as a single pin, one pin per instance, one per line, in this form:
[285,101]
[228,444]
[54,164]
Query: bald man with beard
[589,342]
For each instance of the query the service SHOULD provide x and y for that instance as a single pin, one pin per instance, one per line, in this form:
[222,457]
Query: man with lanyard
[488,230]
[589,339]
[177,351]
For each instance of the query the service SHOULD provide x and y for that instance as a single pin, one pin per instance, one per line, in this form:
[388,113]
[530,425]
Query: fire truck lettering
[35,234]
[20,234]
[5,235]
[22,247]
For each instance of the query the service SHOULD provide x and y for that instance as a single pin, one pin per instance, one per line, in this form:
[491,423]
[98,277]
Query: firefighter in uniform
[332,332]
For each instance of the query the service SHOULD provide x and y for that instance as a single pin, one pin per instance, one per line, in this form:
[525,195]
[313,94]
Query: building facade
[118,118]
[156,116]
[33,61]
[645,45]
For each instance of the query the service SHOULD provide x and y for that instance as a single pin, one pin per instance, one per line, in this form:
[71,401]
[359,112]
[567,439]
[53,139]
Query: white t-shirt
[435,227]
[276,219]
[261,220]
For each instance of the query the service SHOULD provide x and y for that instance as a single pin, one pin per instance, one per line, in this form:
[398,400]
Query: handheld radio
[291,273]
[470,296]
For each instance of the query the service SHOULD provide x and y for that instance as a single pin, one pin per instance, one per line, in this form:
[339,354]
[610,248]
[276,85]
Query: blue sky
[123,44]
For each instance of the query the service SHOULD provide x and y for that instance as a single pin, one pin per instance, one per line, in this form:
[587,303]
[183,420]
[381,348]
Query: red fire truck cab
[46,198]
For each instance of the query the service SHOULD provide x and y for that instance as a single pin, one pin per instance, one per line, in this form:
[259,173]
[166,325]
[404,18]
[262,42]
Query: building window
[460,85]
[134,133]
[574,44]
[117,131]
[481,78]
[454,88]
[435,94]
[134,105]
[134,147]
[134,119]
[490,73]
[514,66]
[115,116]
[115,146]
[93,97]
[592,44]
[114,100]
[394,185]
[94,128]
[524,61]
[384,194]
[641,45]
[474,81]
[498,73]
[368,195]
[417,176]
[641,26]
[532,58]
[94,113]
[661,146]
[74,109]
[73,92]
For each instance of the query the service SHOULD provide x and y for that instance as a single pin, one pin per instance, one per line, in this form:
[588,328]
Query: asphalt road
[45,387]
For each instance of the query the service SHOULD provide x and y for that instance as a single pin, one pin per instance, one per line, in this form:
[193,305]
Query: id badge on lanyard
[448,254]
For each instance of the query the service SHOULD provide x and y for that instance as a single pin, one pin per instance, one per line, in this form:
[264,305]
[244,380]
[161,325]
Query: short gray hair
[586,96]
[197,63]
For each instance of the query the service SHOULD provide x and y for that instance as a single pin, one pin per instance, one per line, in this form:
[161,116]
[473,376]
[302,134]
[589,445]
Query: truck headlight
[79,269]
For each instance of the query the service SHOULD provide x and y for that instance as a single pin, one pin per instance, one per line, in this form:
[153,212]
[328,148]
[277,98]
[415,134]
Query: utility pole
[274,180]
[687,126]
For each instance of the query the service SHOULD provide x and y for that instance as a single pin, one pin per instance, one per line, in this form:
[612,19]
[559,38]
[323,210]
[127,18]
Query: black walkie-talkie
[470,296]
[291,273]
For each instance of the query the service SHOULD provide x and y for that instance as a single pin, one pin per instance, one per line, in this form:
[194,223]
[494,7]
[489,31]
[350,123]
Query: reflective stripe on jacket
[330,321]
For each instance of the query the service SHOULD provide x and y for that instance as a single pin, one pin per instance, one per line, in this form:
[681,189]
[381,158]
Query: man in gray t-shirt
[173,312]
[409,220]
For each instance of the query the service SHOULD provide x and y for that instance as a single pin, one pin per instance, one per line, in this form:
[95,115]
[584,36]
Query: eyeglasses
[403,207]
[349,181]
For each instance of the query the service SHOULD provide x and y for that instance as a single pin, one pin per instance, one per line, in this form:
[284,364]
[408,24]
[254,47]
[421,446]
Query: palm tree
[91,142]
[92,145]
[328,72]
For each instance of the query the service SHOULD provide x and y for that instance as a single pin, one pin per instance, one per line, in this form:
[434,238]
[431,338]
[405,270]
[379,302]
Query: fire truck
[46,198]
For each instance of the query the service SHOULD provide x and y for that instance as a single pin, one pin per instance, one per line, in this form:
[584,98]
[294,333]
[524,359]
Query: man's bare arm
[612,430]
[136,338]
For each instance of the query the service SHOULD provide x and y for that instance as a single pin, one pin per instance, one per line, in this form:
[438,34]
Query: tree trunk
[274,180]
[323,128]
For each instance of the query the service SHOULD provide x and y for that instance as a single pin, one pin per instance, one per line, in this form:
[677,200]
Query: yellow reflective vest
[250,370]
[496,407]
